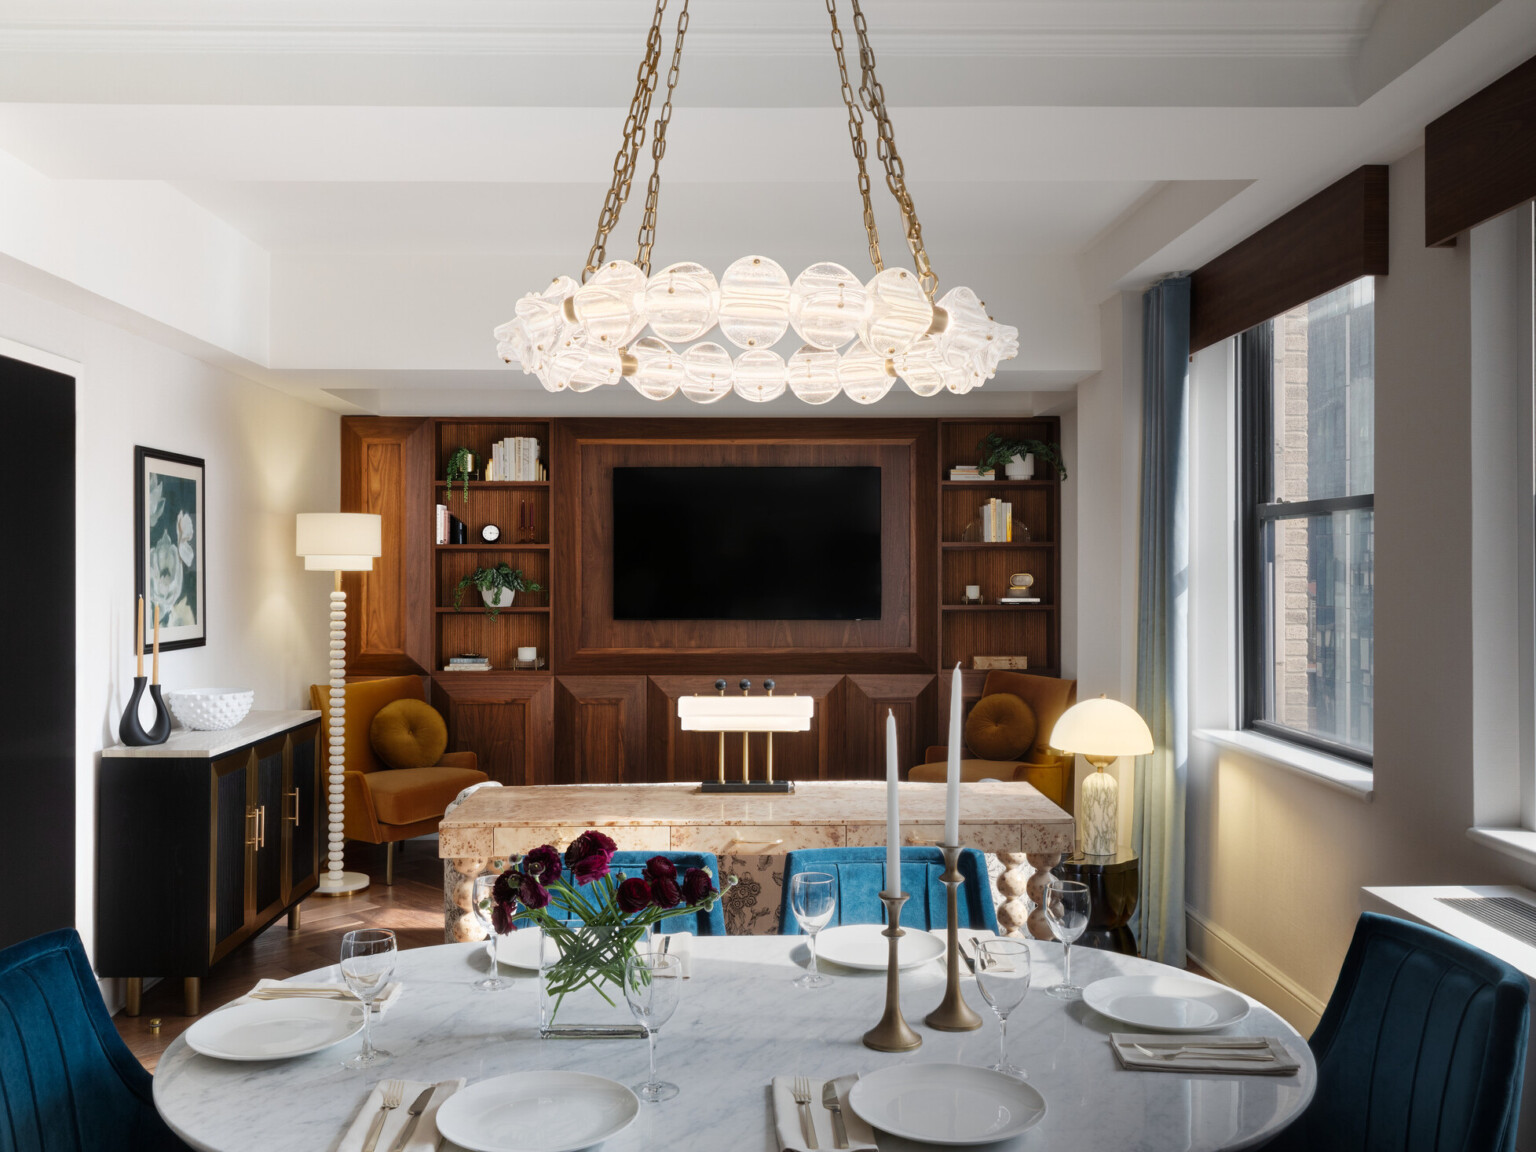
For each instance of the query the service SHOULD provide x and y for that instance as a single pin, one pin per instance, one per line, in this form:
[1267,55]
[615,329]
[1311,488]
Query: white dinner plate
[275,1029]
[537,1112]
[865,946]
[519,949]
[1166,1002]
[946,1103]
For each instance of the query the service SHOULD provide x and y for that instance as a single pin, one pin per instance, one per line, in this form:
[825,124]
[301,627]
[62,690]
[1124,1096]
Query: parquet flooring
[413,908]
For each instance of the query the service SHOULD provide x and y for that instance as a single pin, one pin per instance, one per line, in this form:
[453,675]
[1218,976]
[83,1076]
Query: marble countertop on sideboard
[192,745]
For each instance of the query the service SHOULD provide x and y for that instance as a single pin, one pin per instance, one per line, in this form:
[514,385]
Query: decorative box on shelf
[1010,663]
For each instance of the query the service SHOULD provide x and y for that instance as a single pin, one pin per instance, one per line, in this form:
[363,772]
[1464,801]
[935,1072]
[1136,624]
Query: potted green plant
[1017,456]
[497,586]
[460,466]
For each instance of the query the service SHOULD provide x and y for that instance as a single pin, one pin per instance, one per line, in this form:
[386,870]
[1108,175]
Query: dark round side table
[1114,883]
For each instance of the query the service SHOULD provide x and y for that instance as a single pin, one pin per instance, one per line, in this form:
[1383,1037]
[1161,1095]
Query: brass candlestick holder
[893,1033]
[953,1014]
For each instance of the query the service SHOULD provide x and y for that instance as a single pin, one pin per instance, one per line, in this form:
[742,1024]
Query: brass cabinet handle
[252,835]
[261,826]
[295,795]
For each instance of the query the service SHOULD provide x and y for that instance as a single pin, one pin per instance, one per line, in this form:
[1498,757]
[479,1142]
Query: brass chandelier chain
[629,145]
[873,95]
[856,135]
[647,236]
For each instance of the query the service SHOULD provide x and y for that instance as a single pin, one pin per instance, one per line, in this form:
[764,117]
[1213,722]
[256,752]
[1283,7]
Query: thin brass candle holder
[953,1014]
[893,1033]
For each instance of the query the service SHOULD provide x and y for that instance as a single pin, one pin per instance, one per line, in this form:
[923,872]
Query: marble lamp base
[1100,807]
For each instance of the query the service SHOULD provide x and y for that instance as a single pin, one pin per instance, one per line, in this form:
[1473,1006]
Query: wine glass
[812,898]
[482,907]
[652,981]
[1002,974]
[1066,910]
[367,963]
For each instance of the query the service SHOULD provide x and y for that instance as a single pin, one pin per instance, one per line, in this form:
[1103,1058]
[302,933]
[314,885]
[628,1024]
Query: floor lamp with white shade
[339,542]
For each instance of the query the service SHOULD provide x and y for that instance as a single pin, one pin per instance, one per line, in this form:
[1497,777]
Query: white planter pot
[1020,467]
[501,598]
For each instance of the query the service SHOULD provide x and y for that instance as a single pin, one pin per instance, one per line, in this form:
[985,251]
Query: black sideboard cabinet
[201,843]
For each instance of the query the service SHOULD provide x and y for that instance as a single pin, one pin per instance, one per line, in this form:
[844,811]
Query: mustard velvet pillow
[409,734]
[1000,727]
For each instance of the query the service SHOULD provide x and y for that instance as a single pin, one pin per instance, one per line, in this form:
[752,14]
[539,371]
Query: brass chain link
[629,145]
[856,135]
[873,96]
[647,236]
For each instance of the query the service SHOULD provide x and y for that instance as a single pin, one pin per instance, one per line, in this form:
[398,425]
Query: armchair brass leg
[294,917]
[389,864]
[133,995]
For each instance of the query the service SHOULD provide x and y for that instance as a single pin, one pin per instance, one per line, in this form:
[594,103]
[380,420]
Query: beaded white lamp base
[334,881]
[1100,807]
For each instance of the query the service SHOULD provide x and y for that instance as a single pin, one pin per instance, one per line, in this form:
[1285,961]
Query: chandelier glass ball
[682,302]
[658,369]
[754,302]
[827,305]
[813,374]
[708,373]
[761,375]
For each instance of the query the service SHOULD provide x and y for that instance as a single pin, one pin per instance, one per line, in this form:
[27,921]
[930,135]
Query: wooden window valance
[1480,157]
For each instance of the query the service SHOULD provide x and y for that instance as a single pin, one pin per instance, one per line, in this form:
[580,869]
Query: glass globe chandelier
[623,322]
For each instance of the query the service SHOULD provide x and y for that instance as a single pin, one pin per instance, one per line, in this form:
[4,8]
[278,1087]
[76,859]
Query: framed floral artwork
[168,506]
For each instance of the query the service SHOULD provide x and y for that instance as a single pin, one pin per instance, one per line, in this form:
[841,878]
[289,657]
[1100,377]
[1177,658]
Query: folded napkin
[1204,1054]
[787,1114]
[424,1139]
[381,1003]
[681,947]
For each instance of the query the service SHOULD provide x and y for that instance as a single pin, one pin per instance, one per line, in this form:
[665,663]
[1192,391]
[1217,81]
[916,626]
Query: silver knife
[416,1110]
[830,1102]
[966,956]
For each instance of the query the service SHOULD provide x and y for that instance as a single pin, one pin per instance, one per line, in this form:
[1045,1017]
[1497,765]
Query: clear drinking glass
[652,981]
[812,898]
[367,963]
[1066,910]
[483,886]
[1002,974]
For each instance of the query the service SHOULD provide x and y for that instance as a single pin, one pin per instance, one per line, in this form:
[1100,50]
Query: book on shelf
[1018,599]
[968,472]
[516,458]
[486,667]
[442,523]
[996,522]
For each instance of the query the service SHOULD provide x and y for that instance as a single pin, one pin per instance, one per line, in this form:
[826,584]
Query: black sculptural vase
[130,731]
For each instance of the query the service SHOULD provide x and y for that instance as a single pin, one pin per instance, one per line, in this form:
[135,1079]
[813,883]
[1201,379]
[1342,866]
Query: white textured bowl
[210,709]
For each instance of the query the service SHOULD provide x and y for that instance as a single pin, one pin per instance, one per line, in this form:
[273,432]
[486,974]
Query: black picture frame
[173,538]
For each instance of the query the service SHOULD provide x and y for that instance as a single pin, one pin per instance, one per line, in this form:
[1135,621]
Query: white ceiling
[388,176]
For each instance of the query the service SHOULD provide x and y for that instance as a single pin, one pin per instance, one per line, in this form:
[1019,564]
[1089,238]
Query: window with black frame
[1306,480]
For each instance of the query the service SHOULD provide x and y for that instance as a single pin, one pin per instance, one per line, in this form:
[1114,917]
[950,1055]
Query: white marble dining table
[739,1023]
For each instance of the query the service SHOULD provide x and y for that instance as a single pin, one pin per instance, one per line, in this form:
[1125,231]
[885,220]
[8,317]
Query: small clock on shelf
[490,533]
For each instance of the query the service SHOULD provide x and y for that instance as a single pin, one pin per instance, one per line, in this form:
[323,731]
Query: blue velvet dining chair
[711,923]
[67,1081]
[860,876]
[1421,1048]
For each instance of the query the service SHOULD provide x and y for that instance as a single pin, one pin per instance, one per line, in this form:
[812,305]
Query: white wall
[268,456]
[1277,861]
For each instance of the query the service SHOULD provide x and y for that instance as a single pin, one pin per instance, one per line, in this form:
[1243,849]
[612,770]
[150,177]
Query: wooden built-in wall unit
[603,708]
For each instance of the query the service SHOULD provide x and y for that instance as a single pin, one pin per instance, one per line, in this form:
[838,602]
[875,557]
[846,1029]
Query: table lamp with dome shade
[1101,731]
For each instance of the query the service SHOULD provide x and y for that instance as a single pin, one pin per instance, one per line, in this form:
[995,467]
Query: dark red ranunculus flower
[697,886]
[502,916]
[543,864]
[589,843]
[660,868]
[532,894]
[505,889]
[634,894]
[590,868]
[666,892]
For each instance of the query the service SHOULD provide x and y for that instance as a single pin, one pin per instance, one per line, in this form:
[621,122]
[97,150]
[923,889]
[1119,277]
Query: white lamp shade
[339,541]
[1102,728]
[745,713]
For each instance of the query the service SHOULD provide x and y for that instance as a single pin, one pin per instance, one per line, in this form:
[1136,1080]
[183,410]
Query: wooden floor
[413,908]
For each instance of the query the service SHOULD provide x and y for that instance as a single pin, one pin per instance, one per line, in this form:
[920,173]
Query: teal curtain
[1162,648]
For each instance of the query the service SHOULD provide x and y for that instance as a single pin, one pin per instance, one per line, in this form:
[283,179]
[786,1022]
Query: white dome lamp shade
[1101,731]
[338,542]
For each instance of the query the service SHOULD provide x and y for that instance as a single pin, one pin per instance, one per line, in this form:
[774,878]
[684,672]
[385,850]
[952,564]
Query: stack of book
[968,472]
[516,458]
[996,522]
[442,523]
[467,662]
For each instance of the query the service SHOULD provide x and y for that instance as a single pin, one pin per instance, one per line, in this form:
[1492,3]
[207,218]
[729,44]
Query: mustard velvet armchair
[386,805]
[1048,770]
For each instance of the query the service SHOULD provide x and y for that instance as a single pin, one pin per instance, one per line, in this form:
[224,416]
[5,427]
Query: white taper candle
[892,808]
[952,779]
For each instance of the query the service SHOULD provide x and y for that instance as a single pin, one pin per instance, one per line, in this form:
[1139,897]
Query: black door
[37,757]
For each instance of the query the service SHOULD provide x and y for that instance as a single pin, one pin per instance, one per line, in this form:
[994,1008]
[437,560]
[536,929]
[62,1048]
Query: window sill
[1331,771]
[1519,843]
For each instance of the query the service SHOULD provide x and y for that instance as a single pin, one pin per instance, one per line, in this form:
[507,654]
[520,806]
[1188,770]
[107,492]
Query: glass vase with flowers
[592,918]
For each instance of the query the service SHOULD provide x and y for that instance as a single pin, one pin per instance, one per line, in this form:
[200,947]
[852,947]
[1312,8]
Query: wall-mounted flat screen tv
[746,543]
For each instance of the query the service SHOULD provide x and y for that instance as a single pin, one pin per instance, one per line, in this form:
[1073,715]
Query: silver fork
[802,1094]
[1206,1054]
[393,1091]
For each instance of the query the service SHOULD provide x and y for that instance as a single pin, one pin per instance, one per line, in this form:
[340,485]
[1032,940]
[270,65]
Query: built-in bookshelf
[520,509]
[992,629]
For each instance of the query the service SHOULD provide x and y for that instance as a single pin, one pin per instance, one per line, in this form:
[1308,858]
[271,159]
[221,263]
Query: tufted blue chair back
[67,1081]
[860,874]
[1421,1048]
[711,923]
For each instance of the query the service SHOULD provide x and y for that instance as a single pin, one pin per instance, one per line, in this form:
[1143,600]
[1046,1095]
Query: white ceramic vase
[501,598]
[1020,467]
